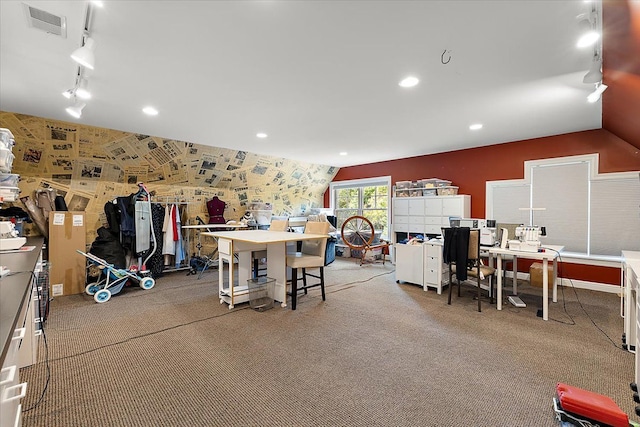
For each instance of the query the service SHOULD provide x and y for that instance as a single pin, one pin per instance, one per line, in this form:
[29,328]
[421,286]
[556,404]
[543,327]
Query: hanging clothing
[155,264]
[143,226]
[180,251]
[456,249]
[169,244]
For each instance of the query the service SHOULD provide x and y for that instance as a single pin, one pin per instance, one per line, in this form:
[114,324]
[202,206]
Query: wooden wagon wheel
[357,233]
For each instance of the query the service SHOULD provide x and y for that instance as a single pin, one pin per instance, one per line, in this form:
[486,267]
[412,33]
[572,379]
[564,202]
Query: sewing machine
[528,238]
[9,239]
[487,228]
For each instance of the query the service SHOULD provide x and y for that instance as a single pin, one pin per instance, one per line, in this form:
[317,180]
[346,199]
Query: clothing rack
[174,200]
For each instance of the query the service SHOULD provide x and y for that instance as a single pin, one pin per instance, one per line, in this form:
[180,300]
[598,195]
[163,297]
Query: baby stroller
[113,279]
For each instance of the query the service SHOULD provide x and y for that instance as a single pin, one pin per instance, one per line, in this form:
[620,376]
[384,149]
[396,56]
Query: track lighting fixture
[76,109]
[591,26]
[587,22]
[595,95]
[81,91]
[69,93]
[84,55]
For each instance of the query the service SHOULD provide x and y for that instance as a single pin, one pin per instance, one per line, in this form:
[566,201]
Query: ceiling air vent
[45,21]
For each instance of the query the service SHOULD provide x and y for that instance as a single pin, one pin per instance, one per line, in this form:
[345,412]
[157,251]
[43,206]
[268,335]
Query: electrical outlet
[57,290]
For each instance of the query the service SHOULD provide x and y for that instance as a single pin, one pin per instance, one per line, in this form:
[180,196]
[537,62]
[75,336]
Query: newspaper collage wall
[91,166]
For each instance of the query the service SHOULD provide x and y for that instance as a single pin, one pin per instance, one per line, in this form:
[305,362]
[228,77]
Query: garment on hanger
[179,253]
[169,244]
[155,264]
[215,207]
[143,225]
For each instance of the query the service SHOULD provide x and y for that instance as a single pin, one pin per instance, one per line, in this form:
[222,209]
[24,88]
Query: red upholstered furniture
[584,404]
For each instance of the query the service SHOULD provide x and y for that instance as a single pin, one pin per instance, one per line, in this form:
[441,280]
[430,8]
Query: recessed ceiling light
[98,3]
[261,135]
[343,153]
[410,81]
[150,111]
[476,126]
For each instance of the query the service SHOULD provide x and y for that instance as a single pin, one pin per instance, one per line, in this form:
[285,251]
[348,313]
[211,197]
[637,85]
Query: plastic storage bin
[447,191]
[6,139]
[434,182]
[9,179]
[261,291]
[6,160]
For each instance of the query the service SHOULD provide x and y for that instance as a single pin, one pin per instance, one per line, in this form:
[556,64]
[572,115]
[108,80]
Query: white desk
[207,227]
[551,253]
[243,243]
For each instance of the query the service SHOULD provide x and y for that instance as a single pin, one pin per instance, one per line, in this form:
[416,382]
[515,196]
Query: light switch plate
[57,290]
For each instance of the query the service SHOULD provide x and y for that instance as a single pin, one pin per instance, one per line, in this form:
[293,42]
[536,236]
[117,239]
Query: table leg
[499,296]
[555,279]
[515,275]
[545,290]
[277,269]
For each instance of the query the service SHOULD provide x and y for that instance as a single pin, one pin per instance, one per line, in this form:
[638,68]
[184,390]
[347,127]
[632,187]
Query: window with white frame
[588,213]
[365,197]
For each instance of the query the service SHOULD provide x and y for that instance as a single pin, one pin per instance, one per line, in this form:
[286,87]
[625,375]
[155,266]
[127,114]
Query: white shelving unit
[427,214]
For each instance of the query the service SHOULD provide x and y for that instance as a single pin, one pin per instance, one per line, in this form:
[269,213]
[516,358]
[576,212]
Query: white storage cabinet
[421,265]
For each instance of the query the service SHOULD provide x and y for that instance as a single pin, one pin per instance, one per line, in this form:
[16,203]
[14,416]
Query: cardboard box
[67,234]
[535,275]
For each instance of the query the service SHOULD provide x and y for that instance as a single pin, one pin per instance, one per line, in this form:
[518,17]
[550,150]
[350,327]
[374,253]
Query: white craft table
[242,243]
[551,252]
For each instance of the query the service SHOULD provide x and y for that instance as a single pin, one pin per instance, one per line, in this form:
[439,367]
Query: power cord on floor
[582,307]
[345,286]
[135,337]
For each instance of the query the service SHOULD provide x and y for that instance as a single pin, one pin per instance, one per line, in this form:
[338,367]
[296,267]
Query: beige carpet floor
[376,353]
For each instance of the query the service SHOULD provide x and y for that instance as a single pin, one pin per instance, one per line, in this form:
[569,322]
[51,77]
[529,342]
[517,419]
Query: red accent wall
[470,169]
[618,143]
[621,69]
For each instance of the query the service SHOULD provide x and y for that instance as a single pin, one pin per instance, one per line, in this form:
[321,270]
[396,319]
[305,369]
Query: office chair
[461,252]
[275,225]
[312,255]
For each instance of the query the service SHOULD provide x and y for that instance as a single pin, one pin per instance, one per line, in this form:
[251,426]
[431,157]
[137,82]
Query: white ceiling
[319,77]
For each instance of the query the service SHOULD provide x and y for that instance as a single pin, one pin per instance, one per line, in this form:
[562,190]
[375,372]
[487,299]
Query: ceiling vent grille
[45,21]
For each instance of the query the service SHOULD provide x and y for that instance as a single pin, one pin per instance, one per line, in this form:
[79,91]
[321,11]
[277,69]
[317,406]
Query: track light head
[82,92]
[84,55]
[76,109]
[595,95]
[595,74]
[69,93]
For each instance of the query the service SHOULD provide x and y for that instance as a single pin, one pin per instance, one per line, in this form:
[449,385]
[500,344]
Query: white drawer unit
[11,392]
[629,284]
[20,306]
[409,263]
[631,305]
[433,267]
[420,264]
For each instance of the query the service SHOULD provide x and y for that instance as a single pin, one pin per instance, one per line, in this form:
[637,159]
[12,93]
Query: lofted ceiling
[319,77]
